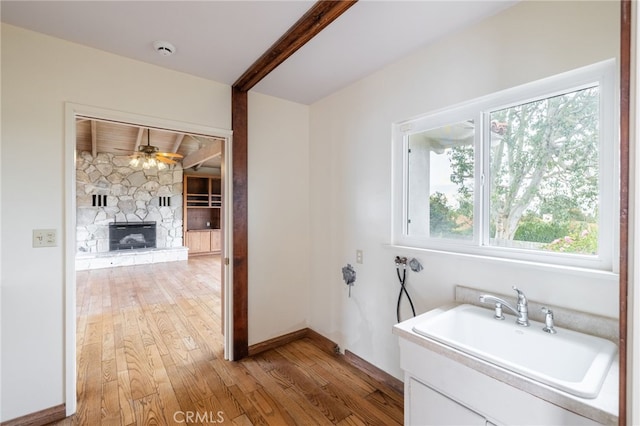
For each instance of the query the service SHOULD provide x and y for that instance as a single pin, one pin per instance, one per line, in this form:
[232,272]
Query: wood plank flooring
[149,352]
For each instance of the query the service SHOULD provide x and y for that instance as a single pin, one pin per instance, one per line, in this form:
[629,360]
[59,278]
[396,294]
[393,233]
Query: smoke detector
[164,48]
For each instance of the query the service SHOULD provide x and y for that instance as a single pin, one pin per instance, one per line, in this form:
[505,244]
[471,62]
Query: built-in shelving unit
[203,202]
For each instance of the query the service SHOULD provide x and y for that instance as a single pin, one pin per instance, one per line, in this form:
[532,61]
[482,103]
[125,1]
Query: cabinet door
[215,240]
[430,407]
[198,242]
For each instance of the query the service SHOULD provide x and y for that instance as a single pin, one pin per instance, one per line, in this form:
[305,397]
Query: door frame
[72,110]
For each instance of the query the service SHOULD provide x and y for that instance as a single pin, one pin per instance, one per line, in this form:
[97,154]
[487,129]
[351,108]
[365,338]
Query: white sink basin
[574,362]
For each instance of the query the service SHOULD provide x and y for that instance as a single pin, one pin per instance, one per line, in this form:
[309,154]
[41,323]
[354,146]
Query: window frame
[604,75]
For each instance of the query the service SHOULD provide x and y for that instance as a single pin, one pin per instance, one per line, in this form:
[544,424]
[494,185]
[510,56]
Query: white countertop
[602,409]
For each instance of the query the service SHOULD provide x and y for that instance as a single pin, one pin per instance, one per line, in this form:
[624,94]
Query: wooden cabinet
[202,191]
[216,240]
[199,242]
[202,213]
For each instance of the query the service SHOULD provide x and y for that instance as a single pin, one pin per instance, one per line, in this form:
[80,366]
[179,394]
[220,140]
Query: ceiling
[219,40]
[98,136]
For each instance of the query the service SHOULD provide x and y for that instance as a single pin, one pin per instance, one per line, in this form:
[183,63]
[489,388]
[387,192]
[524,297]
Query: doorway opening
[109,138]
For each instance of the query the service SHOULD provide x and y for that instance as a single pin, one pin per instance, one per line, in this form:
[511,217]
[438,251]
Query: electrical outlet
[358,256]
[44,238]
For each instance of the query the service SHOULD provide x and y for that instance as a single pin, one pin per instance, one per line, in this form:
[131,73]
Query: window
[440,168]
[526,173]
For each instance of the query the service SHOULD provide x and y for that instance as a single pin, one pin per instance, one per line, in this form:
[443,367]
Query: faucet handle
[548,320]
[521,297]
[498,311]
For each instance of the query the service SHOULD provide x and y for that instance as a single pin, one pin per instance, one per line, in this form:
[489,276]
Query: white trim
[227,248]
[483,195]
[602,73]
[71,111]
[70,376]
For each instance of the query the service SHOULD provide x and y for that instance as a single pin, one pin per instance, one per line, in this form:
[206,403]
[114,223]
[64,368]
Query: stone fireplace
[110,193]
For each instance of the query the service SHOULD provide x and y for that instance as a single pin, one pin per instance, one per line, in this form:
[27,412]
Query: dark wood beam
[239,122]
[625,94]
[315,20]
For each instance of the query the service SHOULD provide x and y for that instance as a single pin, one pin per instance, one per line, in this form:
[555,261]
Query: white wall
[351,173]
[278,200]
[39,74]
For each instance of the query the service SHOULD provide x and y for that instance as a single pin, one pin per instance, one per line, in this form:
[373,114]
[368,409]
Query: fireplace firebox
[132,235]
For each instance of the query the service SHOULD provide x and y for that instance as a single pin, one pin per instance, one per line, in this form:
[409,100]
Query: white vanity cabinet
[439,390]
[430,407]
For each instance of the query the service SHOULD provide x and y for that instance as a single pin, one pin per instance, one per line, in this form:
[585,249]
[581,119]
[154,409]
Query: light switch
[44,238]
[358,256]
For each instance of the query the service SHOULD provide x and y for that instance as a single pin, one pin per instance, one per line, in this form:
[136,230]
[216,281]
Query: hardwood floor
[149,351]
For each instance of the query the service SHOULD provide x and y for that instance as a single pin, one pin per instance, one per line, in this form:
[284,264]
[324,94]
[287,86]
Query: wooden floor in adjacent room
[150,352]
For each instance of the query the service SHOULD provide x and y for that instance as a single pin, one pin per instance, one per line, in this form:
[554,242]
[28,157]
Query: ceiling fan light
[148,156]
[149,163]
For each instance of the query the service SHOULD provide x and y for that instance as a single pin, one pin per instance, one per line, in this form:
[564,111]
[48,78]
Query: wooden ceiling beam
[177,142]
[94,139]
[315,20]
[139,139]
[203,154]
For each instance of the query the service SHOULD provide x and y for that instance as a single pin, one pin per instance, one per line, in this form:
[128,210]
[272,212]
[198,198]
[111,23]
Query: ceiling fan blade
[170,154]
[165,160]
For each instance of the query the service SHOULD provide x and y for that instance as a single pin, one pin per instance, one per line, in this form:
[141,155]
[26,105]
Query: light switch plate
[358,256]
[45,238]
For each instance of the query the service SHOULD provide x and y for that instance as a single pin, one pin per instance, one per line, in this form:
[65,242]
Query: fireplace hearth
[132,235]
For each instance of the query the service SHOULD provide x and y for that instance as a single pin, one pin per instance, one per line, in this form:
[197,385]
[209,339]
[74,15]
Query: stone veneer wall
[132,196]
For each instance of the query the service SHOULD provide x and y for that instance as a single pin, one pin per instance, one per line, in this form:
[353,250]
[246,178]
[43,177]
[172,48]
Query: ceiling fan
[150,156]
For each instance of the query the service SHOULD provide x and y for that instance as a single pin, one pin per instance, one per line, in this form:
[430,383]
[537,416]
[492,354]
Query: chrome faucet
[521,310]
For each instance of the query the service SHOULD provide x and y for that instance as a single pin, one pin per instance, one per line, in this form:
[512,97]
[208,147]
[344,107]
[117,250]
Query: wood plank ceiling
[97,136]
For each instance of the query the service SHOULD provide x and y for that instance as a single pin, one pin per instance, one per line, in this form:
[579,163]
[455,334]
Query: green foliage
[543,161]
[534,229]
[582,239]
[567,236]
[441,218]
[446,221]
[461,158]
[562,208]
